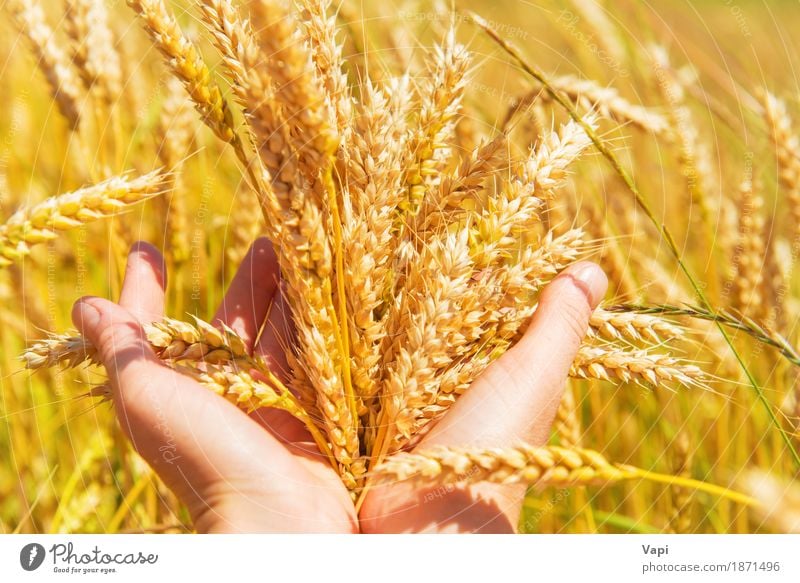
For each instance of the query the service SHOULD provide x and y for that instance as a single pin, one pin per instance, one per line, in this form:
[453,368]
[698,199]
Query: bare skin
[262,472]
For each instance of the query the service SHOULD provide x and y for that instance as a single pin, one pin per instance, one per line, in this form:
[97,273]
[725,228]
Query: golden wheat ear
[42,222]
[52,60]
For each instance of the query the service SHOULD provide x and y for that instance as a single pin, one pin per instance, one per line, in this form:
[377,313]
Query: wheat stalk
[326,52]
[311,126]
[297,158]
[567,424]
[680,521]
[374,188]
[693,156]
[227,368]
[492,312]
[171,340]
[67,349]
[186,63]
[614,259]
[597,16]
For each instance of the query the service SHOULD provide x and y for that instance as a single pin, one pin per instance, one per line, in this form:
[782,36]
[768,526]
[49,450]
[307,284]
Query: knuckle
[115,336]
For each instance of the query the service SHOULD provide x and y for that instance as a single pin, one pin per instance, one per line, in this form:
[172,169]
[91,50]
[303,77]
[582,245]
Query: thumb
[516,398]
[118,337]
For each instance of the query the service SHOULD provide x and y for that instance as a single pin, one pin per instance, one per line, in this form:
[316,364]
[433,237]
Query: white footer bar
[406,559]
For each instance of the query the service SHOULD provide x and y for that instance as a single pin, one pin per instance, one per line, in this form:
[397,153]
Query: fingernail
[88,314]
[590,279]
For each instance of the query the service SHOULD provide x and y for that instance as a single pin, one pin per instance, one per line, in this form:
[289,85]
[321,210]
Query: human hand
[235,472]
[262,472]
[514,400]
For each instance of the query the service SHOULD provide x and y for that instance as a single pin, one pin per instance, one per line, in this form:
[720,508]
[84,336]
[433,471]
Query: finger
[250,293]
[145,278]
[518,395]
[117,335]
[272,346]
[190,436]
[276,337]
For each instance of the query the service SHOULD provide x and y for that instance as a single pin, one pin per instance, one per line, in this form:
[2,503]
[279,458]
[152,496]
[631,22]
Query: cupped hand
[514,400]
[235,472]
[262,472]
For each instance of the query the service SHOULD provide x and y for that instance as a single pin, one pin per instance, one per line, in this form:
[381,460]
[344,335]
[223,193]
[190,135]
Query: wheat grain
[296,157]
[693,155]
[301,94]
[422,328]
[374,188]
[245,226]
[614,260]
[759,330]
[680,520]
[68,350]
[326,53]
[597,17]
[493,311]
[171,340]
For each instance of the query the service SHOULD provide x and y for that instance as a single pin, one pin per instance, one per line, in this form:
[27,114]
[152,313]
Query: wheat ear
[43,221]
[748,279]
[171,339]
[94,54]
[441,97]
[185,62]
[52,60]
[642,366]
[633,326]
[540,466]
[786,143]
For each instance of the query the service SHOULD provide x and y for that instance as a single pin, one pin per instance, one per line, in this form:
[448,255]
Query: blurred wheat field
[721,171]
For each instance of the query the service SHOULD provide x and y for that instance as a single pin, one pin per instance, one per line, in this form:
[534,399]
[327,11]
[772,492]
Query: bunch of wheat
[409,265]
